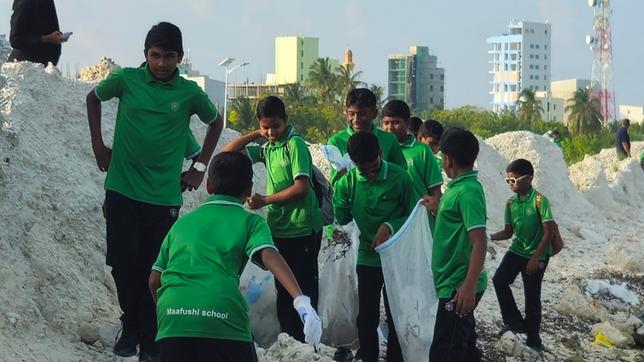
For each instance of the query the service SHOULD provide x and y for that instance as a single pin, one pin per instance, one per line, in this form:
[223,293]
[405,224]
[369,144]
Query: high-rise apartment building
[416,79]
[293,58]
[520,59]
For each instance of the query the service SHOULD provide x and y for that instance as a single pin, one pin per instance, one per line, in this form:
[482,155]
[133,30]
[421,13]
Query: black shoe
[126,343]
[514,328]
[539,348]
[149,352]
[343,354]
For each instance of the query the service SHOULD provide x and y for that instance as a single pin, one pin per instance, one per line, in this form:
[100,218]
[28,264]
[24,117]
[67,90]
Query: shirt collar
[351,131]
[382,174]
[409,142]
[150,78]
[286,136]
[219,199]
[463,176]
[528,195]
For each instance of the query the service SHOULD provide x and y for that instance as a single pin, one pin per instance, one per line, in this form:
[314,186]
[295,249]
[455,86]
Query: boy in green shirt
[529,219]
[430,134]
[201,313]
[361,112]
[421,163]
[458,251]
[379,196]
[293,212]
[144,180]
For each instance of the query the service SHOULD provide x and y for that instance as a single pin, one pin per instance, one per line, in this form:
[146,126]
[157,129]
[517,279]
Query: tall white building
[520,59]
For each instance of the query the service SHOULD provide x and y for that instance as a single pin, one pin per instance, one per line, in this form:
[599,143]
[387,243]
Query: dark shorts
[180,349]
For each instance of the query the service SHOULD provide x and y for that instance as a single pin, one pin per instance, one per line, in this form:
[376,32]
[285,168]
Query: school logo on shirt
[174,106]
[174,213]
[529,211]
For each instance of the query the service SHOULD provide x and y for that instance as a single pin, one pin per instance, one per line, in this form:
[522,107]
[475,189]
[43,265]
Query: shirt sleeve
[110,87]
[192,146]
[508,213]
[342,201]
[254,152]
[396,156]
[407,200]
[162,259]
[433,175]
[545,211]
[472,206]
[204,108]
[300,158]
[259,237]
[21,18]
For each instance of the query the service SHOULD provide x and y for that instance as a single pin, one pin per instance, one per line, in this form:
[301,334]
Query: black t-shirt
[622,137]
[30,20]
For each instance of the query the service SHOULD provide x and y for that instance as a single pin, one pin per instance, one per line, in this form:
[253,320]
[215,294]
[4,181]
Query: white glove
[308,315]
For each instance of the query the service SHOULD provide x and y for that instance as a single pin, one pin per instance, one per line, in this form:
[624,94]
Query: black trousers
[370,285]
[181,349]
[454,336]
[511,265]
[135,231]
[301,255]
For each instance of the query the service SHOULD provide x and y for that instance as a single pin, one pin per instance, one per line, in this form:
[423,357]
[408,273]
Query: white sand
[52,230]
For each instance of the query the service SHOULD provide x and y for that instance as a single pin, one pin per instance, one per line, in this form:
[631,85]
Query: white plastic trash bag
[406,264]
[336,159]
[258,288]
[338,302]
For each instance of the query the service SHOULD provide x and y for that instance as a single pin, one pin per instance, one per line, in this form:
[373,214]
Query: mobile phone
[67,34]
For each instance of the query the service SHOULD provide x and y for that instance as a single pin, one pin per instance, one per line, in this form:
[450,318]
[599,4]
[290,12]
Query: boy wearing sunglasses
[528,217]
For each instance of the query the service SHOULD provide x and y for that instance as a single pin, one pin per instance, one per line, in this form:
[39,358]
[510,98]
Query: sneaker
[125,345]
[514,328]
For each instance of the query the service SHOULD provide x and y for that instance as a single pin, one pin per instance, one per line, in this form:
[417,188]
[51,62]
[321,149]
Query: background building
[293,58]
[520,59]
[555,100]
[634,113]
[214,88]
[416,79]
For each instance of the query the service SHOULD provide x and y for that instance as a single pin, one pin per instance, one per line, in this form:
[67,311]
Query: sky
[454,30]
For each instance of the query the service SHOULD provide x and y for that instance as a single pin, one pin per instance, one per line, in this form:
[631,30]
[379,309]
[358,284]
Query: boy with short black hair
[422,166]
[430,134]
[361,110]
[144,179]
[293,212]
[528,217]
[458,251]
[379,196]
[414,123]
[202,314]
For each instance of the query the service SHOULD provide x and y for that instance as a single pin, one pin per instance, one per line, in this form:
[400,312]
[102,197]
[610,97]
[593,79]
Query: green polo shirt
[287,159]
[389,145]
[152,126]
[388,199]
[421,165]
[422,169]
[192,147]
[200,262]
[461,209]
[527,222]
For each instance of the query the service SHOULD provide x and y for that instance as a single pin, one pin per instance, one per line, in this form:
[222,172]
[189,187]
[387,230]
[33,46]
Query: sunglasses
[512,181]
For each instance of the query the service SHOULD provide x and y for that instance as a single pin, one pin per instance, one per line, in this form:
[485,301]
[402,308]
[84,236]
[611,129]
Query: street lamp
[225,63]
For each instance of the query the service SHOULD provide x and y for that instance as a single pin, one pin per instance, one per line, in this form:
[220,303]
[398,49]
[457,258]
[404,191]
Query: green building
[416,79]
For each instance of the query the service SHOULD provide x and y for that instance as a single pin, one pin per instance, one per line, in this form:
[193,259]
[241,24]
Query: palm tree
[379,93]
[529,107]
[347,79]
[296,95]
[323,80]
[242,114]
[584,113]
